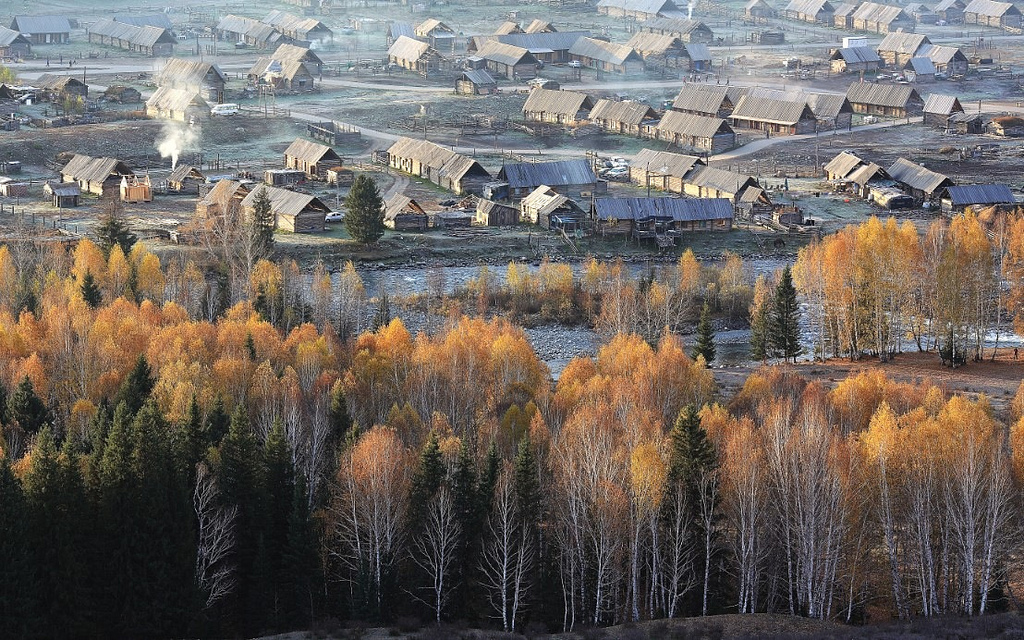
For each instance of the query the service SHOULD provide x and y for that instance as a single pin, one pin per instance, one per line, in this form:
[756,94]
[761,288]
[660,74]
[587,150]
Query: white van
[225,109]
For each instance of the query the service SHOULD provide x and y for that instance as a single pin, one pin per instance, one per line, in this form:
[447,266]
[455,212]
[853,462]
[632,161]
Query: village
[751,119]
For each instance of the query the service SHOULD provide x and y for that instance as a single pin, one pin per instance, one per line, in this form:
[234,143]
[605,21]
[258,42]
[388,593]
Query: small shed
[759,10]
[14,44]
[546,207]
[473,82]
[55,88]
[402,213]
[841,166]
[185,177]
[495,214]
[12,189]
[340,176]
[938,108]
[919,70]
[855,59]
[123,95]
[136,189]
[63,195]
[557,107]
[283,177]
[437,34]
[919,182]
[964,123]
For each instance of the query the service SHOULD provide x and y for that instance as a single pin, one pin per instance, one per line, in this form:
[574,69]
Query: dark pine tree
[364,217]
[90,291]
[469,512]
[26,409]
[275,515]
[705,336]
[302,572]
[136,387]
[15,561]
[339,416]
[114,229]
[217,422]
[250,346]
[263,223]
[784,324]
[382,317]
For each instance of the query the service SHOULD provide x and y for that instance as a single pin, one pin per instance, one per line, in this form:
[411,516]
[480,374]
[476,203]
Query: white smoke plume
[177,137]
[689,10]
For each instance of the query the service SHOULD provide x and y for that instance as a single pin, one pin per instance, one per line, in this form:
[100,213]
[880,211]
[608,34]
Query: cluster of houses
[151,35]
[912,54]
[277,28]
[884,18]
[906,184]
[514,52]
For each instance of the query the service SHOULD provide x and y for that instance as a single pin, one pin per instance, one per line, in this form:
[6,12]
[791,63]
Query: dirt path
[401,182]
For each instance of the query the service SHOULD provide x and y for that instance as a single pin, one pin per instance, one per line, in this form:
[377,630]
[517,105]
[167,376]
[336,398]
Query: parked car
[575,64]
[224,109]
[335,216]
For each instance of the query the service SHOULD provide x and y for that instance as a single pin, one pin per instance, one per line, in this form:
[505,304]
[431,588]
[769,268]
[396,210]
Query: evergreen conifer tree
[364,216]
[136,387]
[784,325]
[705,336]
[91,291]
[15,576]
[114,229]
[26,409]
[263,223]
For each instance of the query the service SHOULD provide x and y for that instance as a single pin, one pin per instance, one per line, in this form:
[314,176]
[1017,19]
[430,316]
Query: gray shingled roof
[171,99]
[506,54]
[479,77]
[398,29]
[719,179]
[83,167]
[691,124]
[159,20]
[991,8]
[701,98]
[562,102]
[10,36]
[41,24]
[400,204]
[665,163]
[631,113]
[544,200]
[311,151]
[557,174]
[915,176]
[784,110]
[941,54]
[442,160]
[843,164]
[406,48]
[647,43]
[854,55]
[284,201]
[921,66]
[881,13]
[652,7]
[676,209]
[809,7]
[290,22]
[144,36]
[179,72]
[903,43]
[866,173]
[883,95]
[609,52]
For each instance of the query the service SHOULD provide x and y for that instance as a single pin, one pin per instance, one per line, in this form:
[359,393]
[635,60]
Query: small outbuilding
[95,175]
[557,107]
[185,178]
[312,158]
[475,82]
[495,214]
[293,211]
[14,44]
[63,195]
[402,213]
[960,198]
[938,108]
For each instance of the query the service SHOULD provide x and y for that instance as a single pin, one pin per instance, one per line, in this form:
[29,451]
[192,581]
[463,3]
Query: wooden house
[842,17]
[841,166]
[774,112]
[312,158]
[990,13]
[919,70]
[43,29]
[714,101]
[888,100]
[508,61]
[56,88]
[896,49]
[832,111]
[958,199]
[63,195]
[951,11]
[95,175]
[440,165]
[712,182]
[551,210]
[475,82]
[402,213]
[225,194]
[855,60]
[13,44]
[637,9]
[299,28]
[966,123]
[661,170]
[549,47]
[653,218]
[396,30]
[916,181]
[948,60]
[657,49]
[867,178]
[415,55]
[689,131]
[922,13]
[290,67]
[437,34]
[122,94]
[185,178]
[557,107]
[882,18]
[293,211]
[568,177]
[249,32]
[144,39]
[627,118]
[136,189]
[203,78]
[815,11]
[284,177]
[509,26]
[607,56]
[182,105]
[1007,126]
[759,10]
[689,31]
[495,214]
